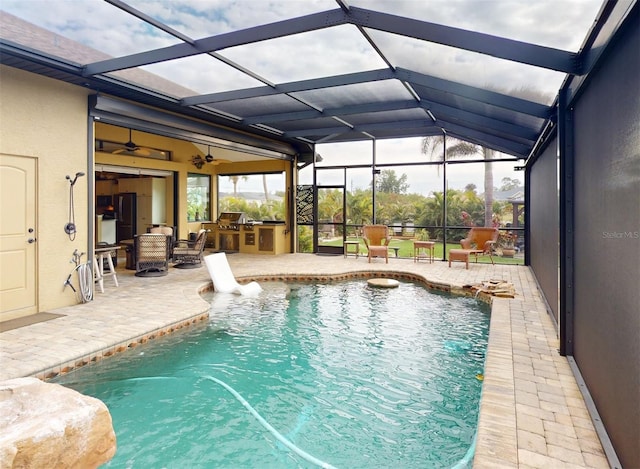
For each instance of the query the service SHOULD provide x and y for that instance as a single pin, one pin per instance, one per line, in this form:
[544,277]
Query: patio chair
[188,254]
[169,232]
[480,241]
[152,254]
[376,238]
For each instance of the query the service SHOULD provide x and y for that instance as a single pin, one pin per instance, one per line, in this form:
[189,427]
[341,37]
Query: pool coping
[139,339]
[530,401]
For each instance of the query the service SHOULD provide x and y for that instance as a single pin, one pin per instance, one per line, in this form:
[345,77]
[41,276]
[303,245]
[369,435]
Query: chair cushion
[378,250]
[186,251]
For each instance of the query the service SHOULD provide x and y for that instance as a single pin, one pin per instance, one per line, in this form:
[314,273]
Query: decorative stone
[500,288]
[48,425]
[383,283]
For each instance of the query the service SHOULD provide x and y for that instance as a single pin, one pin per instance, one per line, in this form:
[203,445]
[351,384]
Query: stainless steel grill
[231,220]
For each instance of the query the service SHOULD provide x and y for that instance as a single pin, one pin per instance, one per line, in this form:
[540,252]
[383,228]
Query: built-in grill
[231,220]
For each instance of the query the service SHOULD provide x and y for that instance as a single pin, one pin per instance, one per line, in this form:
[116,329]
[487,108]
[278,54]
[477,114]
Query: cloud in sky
[553,23]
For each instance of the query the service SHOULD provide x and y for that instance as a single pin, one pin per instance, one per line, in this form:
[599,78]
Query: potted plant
[506,241]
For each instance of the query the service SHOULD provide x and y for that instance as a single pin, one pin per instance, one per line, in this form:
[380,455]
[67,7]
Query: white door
[17,237]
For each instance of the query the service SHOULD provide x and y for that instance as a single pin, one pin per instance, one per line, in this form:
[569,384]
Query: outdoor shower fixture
[78,174]
[70,227]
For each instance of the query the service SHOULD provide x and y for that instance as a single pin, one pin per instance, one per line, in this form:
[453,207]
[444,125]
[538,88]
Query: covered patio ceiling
[337,73]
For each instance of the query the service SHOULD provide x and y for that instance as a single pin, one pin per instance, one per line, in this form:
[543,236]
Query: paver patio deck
[532,412]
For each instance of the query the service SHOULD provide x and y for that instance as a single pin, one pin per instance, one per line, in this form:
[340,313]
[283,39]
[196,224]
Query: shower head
[78,174]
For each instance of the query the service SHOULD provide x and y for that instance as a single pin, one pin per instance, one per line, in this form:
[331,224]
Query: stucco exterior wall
[47,120]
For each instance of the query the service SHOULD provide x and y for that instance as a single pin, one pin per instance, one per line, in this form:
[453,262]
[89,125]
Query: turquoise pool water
[351,375]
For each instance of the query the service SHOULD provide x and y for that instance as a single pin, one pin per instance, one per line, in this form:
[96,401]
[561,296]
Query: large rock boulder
[48,425]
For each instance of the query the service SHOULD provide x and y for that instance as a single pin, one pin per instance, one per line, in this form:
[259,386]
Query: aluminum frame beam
[481,95]
[291,87]
[408,127]
[222,41]
[508,49]
[369,128]
[440,111]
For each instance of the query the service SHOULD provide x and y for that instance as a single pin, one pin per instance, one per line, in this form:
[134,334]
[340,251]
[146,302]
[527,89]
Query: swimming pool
[353,376]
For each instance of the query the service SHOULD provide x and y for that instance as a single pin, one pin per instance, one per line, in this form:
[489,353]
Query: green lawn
[406,250]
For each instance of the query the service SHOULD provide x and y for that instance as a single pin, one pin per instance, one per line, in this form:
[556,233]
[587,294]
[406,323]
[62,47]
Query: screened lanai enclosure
[418,193]
[428,117]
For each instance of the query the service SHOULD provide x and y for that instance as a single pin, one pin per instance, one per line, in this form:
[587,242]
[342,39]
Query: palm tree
[435,209]
[329,204]
[488,185]
[234,180]
[264,187]
[433,147]
[359,207]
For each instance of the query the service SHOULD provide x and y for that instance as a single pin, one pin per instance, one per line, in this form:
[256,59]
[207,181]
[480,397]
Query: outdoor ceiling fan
[131,147]
[199,161]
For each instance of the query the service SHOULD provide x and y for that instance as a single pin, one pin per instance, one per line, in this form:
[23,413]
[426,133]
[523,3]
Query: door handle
[31,240]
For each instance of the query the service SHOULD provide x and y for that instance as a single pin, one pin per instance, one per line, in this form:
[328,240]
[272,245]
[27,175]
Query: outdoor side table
[355,244]
[418,246]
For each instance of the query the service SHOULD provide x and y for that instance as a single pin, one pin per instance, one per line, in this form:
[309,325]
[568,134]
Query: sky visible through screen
[561,24]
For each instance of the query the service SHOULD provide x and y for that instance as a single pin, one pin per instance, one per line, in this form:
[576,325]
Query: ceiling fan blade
[219,161]
[212,159]
[142,151]
[131,148]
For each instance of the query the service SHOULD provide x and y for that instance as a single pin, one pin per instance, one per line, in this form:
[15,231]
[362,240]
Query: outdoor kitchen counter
[266,238]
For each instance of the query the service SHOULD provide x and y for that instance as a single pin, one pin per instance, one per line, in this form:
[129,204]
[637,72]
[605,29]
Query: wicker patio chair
[480,241]
[152,254]
[168,231]
[188,254]
[376,238]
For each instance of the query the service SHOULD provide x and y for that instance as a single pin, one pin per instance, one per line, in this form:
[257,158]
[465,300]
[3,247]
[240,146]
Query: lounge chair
[223,278]
[376,238]
[480,241]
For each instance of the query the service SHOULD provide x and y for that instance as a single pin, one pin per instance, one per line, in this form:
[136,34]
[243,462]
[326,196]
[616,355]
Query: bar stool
[98,265]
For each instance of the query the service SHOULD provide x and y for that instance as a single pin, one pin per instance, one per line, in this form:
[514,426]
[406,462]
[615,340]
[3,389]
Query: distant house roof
[512,195]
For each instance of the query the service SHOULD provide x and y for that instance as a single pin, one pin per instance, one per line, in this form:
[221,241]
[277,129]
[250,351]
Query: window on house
[198,197]
[261,196]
